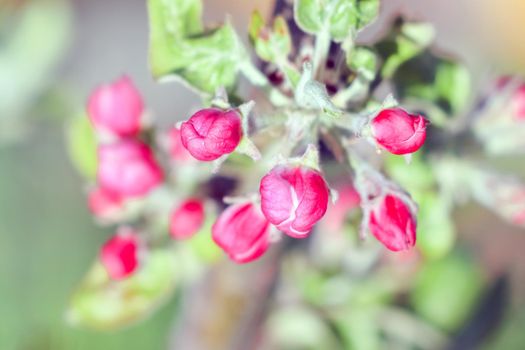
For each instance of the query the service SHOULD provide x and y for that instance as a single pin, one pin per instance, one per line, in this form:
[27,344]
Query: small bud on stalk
[294,198]
[187,219]
[211,133]
[393,224]
[399,132]
[119,254]
[116,108]
[128,168]
[242,232]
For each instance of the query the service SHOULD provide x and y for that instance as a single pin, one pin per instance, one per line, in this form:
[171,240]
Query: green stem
[322,47]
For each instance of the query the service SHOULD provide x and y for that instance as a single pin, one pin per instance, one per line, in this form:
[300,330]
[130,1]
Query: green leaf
[298,327]
[453,84]
[363,61]
[170,22]
[202,243]
[82,146]
[255,26]
[308,15]
[436,232]
[210,61]
[343,19]
[104,304]
[447,290]
[29,29]
[179,47]
[271,45]
[407,41]
[340,18]
[367,12]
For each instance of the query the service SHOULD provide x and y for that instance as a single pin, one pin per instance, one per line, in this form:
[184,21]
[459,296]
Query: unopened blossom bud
[119,255]
[393,224]
[211,133]
[187,219]
[518,103]
[399,132]
[103,203]
[176,149]
[242,232]
[128,168]
[294,198]
[116,108]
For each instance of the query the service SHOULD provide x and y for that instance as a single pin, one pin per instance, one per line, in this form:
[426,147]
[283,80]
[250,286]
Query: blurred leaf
[202,244]
[436,232]
[104,304]
[170,22]
[307,15]
[415,177]
[298,328]
[82,146]
[406,41]
[339,18]
[447,290]
[453,84]
[205,60]
[35,29]
[359,328]
[363,61]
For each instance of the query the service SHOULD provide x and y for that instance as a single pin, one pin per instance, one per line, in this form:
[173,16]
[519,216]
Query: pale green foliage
[412,39]
[180,48]
[82,146]
[270,45]
[28,58]
[447,290]
[340,18]
[101,303]
[363,61]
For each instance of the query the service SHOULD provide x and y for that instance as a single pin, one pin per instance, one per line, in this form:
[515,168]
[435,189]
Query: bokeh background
[52,53]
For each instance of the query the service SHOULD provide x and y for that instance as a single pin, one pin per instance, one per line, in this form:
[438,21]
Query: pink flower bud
[242,232]
[393,224]
[518,103]
[119,254]
[128,168]
[399,132]
[176,149]
[294,198]
[116,108]
[103,203]
[187,219]
[211,133]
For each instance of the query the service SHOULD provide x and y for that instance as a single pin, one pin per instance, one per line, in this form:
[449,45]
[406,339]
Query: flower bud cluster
[293,195]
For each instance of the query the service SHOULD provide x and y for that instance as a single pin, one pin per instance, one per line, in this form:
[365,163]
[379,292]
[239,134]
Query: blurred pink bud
[294,198]
[128,168]
[176,149]
[518,103]
[335,216]
[116,108]
[211,133]
[119,254]
[399,132]
[103,203]
[187,219]
[242,232]
[393,224]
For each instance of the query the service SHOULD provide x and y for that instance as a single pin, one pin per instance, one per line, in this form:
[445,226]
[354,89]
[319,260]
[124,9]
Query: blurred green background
[52,53]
